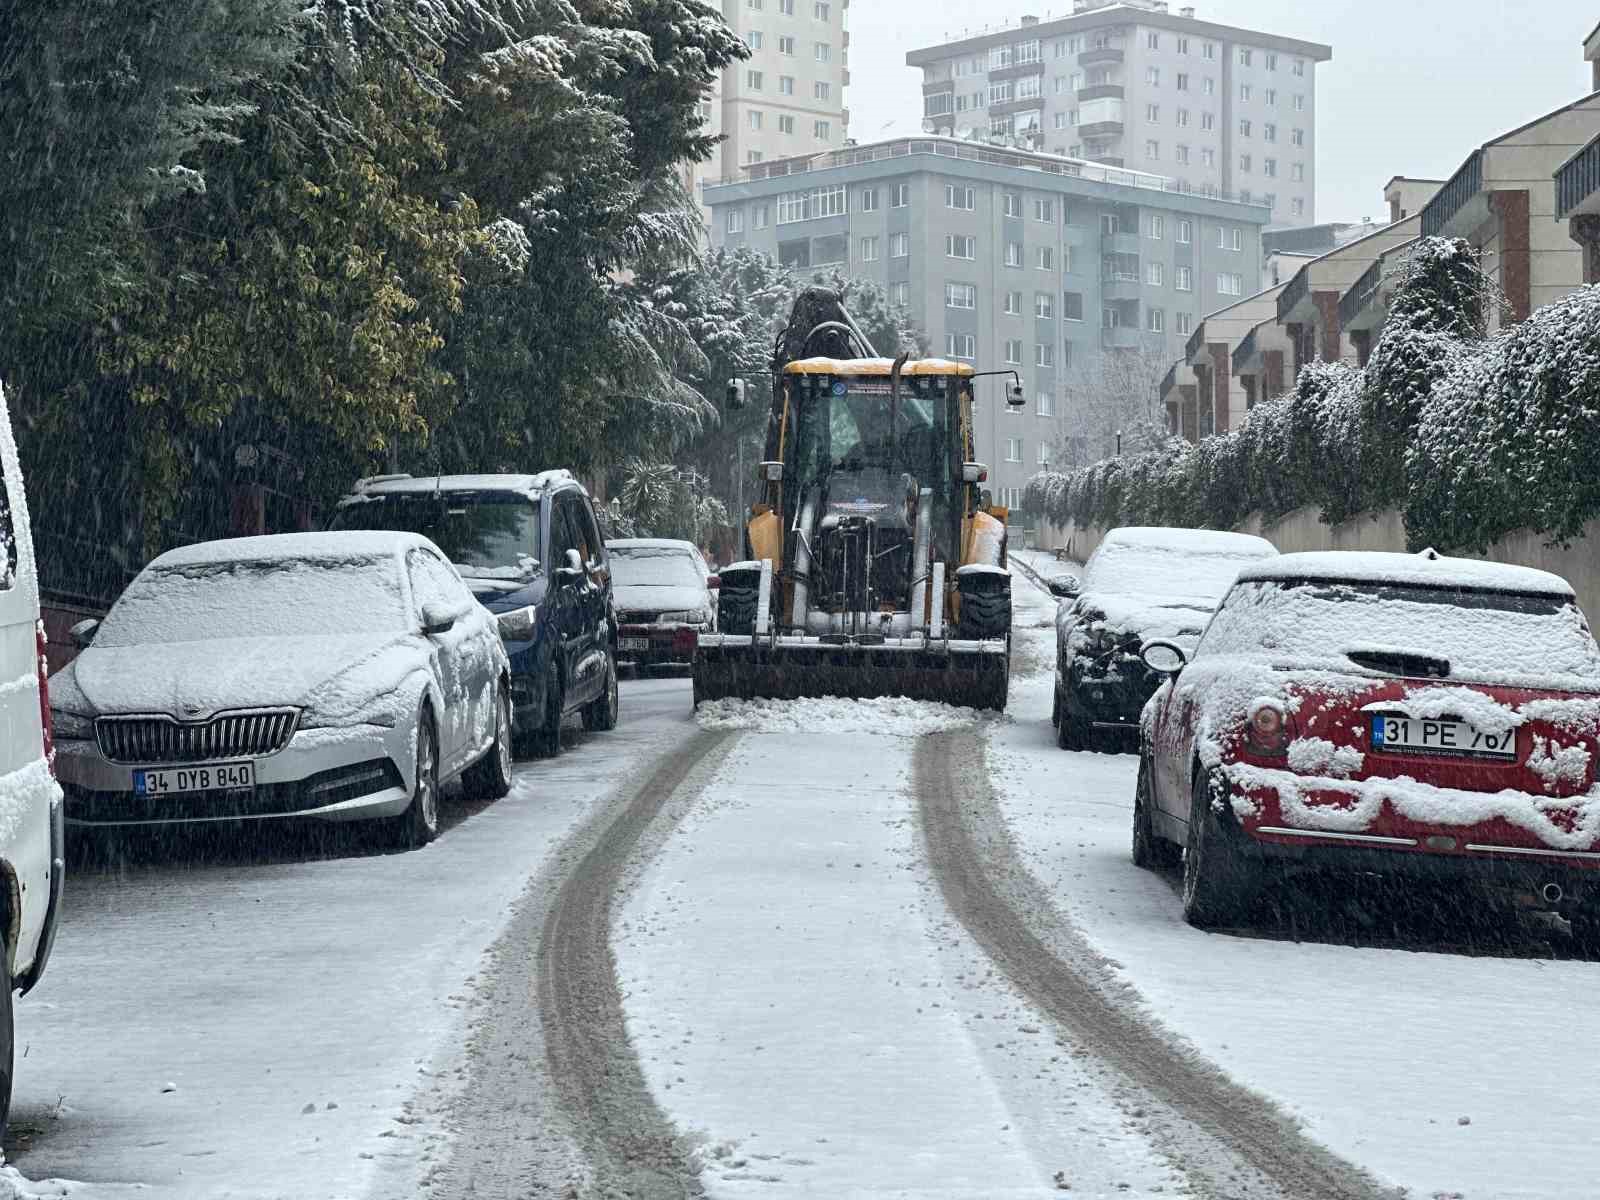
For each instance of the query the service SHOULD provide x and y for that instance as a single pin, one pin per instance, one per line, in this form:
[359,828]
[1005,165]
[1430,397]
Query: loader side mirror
[572,570]
[974,472]
[1065,587]
[737,393]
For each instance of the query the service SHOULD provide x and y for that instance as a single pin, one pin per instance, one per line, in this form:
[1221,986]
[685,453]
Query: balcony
[1455,195]
[1016,71]
[1360,294]
[1120,285]
[1100,91]
[1105,54]
[1101,129]
[1578,181]
[1121,337]
[939,85]
[1297,290]
[1120,243]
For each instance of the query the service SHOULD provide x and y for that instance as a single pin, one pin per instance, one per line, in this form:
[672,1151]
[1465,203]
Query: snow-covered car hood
[332,674]
[659,597]
[1179,619]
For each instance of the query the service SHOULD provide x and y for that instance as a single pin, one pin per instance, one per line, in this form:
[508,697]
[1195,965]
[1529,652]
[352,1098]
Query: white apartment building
[1227,112]
[787,99]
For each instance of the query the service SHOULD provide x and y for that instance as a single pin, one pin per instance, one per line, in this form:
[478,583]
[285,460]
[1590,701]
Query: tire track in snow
[557,1103]
[1231,1142]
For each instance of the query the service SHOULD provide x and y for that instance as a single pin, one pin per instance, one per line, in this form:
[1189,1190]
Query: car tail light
[1270,729]
[685,640]
[46,726]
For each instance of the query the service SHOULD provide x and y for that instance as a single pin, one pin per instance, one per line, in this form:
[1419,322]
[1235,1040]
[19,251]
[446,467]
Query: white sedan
[335,676]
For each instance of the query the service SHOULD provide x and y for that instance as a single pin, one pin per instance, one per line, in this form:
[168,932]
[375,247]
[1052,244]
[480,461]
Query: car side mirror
[1065,587]
[437,618]
[82,634]
[974,472]
[573,568]
[1163,658]
[713,583]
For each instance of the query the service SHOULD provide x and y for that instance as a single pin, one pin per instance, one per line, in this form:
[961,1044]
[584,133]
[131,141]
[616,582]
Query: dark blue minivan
[530,549]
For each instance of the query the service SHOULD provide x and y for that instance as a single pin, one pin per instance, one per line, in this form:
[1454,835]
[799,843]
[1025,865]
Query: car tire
[545,740]
[1072,733]
[1586,931]
[490,777]
[419,824]
[600,715]
[1218,883]
[1151,851]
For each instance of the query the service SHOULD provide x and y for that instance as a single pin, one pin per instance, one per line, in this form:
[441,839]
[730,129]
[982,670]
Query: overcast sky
[1414,85]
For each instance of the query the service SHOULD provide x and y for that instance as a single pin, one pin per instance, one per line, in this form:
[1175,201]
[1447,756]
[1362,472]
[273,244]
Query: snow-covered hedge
[1471,437]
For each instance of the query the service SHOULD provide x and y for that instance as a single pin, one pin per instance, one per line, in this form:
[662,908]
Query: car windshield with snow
[1412,715]
[1140,584]
[663,592]
[339,676]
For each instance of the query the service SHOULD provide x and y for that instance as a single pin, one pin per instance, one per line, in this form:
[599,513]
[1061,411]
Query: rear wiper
[1399,662]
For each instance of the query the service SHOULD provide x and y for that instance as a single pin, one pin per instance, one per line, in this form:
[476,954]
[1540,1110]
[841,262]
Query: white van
[31,853]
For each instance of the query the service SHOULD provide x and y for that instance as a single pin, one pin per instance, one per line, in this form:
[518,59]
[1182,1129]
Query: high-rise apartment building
[788,97]
[1227,112]
[1085,280]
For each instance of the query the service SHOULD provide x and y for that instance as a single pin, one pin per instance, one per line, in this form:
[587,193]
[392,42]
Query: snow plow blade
[970,674]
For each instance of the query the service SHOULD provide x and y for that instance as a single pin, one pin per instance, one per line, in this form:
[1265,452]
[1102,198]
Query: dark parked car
[1141,583]
[664,598]
[530,549]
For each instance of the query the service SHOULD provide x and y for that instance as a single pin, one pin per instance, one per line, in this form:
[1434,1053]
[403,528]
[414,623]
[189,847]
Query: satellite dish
[927,125]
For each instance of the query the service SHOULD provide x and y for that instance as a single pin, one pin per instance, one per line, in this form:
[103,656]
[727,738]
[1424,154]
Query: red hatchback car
[1407,715]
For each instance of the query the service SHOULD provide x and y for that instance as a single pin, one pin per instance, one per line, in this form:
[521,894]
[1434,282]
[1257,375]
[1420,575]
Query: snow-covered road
[817,986]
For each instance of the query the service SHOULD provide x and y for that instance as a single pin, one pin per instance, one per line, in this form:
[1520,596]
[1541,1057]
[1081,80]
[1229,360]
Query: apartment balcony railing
[938,85]
[1121,337]
[1298,289]
[1098,129]
[1197,339]
[1120,285]
[1578,178]
[1360,294]
[1101,91]
[1466,183]
[1016,71]
[1246,350]
[1105,54]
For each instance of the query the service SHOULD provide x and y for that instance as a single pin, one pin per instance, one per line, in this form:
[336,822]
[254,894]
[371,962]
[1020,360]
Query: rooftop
[518,483]
[337,545]
[1116,14]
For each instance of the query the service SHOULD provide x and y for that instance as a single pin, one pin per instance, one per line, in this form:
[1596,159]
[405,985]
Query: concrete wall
[1302,530]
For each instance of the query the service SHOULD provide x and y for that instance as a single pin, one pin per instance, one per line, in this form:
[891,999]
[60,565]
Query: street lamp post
[1119,443]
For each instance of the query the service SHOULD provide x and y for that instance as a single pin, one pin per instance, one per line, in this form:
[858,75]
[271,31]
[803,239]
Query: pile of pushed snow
[892,715]
[13,1186]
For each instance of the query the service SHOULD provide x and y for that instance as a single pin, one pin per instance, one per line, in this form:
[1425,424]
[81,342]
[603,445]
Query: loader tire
[736,604]
[985,608]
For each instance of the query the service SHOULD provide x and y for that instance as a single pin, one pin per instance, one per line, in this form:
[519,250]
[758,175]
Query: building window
[960,245]
[1299,66]
[1208,50]
[1270,199]
[1158,226]
[821,90]
[1208,156]
[1244,56]
[869,249]
[755,118]
[819,10]
[1152,76]
[1060,120]
[821,130]
[824,52]
[1230,283]
[1209,87]
[1236,238]
[1044,210]
[785,85]
[1269,133]
[1244,195]
[1028,88]
[1183,81]
[1046,258]
[1244,128]
[760,217]
[899,195]
[1297,137]
[900,293]
[1208,121]
[1152,113]
[1110,318]
[1272,61]
[960,345]
[1152,149]
[1002,93]
[1000,57]
[1110,225]
[1244,162]
[1185,324]
[956,196]
[869,199]
[1013,254]
[1011,204]
[753,39]
[1297,172]
[752,80]
[1156,320]
[1155,274]
[785,123]
[753,5]
[1072,306]
[1044,306]
[1299,104]
[1044,406]
[1013,449]
[1014,304]
[735,220]
[1244,91]
[1181,154]
[960,295]
[786,7]
[1269,167]
[1183,118]
[786,45]
[1153,40]
[1299,207]
[1014,351]
[1185,231]
[1183,45]
[1183,279]
[1271,96]
[899,245]
[1044,355]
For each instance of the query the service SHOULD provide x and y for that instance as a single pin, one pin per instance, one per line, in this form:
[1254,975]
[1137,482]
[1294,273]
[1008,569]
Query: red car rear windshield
[1490,636]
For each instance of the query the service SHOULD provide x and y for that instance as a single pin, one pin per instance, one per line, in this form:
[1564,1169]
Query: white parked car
[664,595]
[335,676]
[31,855]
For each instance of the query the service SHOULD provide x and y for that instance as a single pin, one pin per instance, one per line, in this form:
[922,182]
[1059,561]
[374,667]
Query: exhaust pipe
[802,560]
[1551,893]
[921,548]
